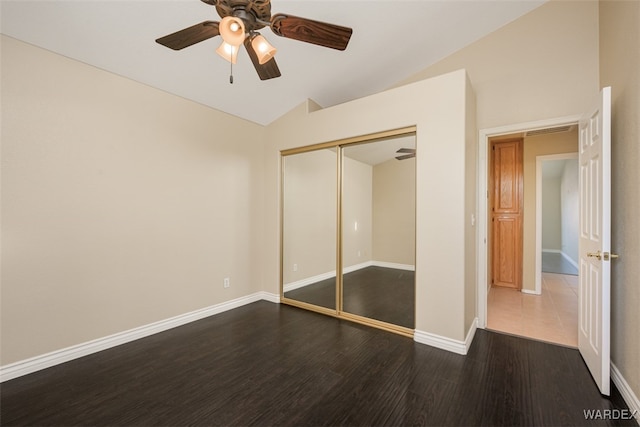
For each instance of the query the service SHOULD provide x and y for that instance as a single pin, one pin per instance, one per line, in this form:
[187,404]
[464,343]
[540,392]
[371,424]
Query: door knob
[594,255]
[600,255]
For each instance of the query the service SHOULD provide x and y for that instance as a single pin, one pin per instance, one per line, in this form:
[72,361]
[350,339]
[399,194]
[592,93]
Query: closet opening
[348,229]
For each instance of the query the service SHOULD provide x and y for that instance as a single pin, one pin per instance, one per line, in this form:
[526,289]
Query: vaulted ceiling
[392,40]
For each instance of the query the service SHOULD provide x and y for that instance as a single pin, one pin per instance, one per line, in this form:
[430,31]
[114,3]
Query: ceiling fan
[241,20]
[408,153]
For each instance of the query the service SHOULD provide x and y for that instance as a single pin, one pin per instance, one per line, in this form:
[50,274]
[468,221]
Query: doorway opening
[531,311]
[557,204]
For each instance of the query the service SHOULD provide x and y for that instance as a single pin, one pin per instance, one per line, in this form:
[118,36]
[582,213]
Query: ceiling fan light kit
[239,24]
[228,52]
[263,48]
[232,30]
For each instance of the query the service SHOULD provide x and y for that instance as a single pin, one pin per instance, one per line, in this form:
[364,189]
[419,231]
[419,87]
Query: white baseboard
[570,260]
[527,291]
[394,265]
[471,333]
[328,275]
[324,276]
[625,390]
[308,281]
[564,255]
[444,343]
[357,267]
[271,297]
[27,366]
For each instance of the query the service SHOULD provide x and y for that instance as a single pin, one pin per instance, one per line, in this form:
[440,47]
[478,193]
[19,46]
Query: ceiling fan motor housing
[256,14]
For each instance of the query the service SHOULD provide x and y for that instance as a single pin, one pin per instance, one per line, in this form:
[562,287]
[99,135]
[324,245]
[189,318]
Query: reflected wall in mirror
[378,230]
[309,204]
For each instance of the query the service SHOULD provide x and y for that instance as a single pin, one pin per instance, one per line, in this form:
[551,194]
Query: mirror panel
[309,230]
[378,230]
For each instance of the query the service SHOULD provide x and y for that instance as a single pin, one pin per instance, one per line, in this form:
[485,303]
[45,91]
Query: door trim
[539,160]
[483,187]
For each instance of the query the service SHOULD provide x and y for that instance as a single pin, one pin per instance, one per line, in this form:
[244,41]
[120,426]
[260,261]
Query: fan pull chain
[231,73]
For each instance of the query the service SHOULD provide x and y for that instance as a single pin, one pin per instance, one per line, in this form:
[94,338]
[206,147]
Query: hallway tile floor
[550,317]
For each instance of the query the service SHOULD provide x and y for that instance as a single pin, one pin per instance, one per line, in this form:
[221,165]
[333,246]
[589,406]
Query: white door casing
[594,296]
[483,187]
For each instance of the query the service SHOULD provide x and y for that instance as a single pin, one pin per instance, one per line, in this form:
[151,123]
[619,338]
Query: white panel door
[595,240]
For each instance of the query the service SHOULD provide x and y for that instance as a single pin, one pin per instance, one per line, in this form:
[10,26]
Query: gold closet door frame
[338,145]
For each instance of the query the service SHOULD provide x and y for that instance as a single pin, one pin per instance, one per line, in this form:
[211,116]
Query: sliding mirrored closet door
[348,229]
[309,230]
[378,230]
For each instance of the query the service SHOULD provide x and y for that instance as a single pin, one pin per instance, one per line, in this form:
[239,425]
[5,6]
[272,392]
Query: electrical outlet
[227,282]
[295,267]
[359,254]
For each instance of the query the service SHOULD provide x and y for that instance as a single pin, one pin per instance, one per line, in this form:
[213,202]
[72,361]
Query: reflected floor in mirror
[379,293]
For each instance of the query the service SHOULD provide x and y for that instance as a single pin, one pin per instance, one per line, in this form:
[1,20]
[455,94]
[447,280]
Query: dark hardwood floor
[379,293]
[269,364]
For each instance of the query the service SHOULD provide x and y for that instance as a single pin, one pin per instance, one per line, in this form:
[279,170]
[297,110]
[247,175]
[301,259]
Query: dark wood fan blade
[306,30]
[266,71]
[406,156]
[190,36]
[407,150]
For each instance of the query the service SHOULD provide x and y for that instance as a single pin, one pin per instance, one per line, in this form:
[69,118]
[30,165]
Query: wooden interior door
[507,212]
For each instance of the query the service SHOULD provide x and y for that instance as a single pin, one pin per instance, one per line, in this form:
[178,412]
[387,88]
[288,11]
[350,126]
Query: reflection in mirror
[309,227]
[378,230]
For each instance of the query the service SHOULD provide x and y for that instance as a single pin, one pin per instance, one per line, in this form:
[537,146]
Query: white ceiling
[373,153]
[392,40]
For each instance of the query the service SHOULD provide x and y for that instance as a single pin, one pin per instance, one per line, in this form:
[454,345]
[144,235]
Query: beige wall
[470,195]
[438,107]
[551,220]
[543,65]
[309,236]
[570,200]
[540,145]
[620,69]
[310,195]
[128,208]
[357,206]
[121,205]
[394,211]
[381,199]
